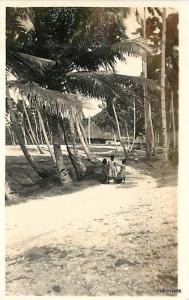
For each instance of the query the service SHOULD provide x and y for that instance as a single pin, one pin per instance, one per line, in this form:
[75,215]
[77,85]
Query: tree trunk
[77,164]
[49,134]
[163,106]
[63,175]
[134,126]
[83,133]
[173,120]
[31,130]
[41,134]
[36,128]
[115,141]
[73,140]
[89,131]
[85,148]
[20,139]
[76,153]
[29,135]
[152,131]
[119,132]
[146,101]
[24,135]
[128,137]
[45,135]
[11,135]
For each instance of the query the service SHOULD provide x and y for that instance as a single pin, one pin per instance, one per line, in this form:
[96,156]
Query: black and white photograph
[91,150]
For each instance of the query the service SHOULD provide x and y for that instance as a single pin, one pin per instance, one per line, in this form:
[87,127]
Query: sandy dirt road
[102,240]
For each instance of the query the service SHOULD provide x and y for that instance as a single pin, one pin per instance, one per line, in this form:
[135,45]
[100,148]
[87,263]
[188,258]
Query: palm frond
[134,47]
[24,23]
[27,66]
[89,84]
[159,12]
[52,101]
[100,85]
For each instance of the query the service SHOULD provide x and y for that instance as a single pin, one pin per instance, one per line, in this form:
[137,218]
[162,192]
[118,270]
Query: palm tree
[62,171]
[147,106]
[20,139]
[163,106]
[55,104]
[45,135]
[134,126]
[30,127]
[84,145]
[109,87]
[30,67]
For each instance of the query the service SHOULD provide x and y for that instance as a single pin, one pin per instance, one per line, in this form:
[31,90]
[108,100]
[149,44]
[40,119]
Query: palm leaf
[100,85]
[52,101]
[24,23]
[27,66]
[89,84]
[134,47]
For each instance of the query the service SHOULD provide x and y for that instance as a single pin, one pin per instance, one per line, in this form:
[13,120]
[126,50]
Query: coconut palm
[55,104]
[109,87]
[163,107]
[54,73]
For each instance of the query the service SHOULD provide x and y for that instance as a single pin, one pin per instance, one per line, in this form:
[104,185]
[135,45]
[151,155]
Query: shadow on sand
[27,185]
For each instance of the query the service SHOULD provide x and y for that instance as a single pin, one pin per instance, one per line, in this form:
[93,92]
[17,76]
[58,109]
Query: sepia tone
[91,151]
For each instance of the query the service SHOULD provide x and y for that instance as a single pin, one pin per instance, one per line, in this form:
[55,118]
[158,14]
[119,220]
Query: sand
[99,240]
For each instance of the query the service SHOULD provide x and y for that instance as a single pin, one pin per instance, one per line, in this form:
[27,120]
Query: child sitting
[123,170]
[118,178]
[105,178]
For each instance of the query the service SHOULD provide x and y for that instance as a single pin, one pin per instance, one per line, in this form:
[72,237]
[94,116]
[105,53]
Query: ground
[93,239]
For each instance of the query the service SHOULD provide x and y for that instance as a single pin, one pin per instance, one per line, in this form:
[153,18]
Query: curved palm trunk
[24,134]
[11,135]
[85,148]
[119,132]
[31,130]
[41,134]
[63,175]
[163,107]
[77,164]
[36,128]
[73,140]
[20,139]
[49,134]
[29,135]
[45,135]
[83,133]
[76,153]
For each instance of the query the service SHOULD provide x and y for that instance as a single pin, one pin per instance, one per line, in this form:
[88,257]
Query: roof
[97,133]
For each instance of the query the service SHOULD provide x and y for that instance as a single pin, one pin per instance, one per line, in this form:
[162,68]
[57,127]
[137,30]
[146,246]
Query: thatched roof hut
[97,135]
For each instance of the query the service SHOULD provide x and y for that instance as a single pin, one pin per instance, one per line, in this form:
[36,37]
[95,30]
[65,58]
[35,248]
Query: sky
[133,65]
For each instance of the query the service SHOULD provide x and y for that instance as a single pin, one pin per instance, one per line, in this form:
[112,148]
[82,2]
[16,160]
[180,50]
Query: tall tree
[163,104]
[62,171]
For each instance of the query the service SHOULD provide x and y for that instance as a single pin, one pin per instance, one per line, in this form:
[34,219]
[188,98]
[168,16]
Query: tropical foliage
[56,53]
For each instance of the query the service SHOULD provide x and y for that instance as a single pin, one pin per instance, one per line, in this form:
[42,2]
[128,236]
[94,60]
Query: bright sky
[133,65]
